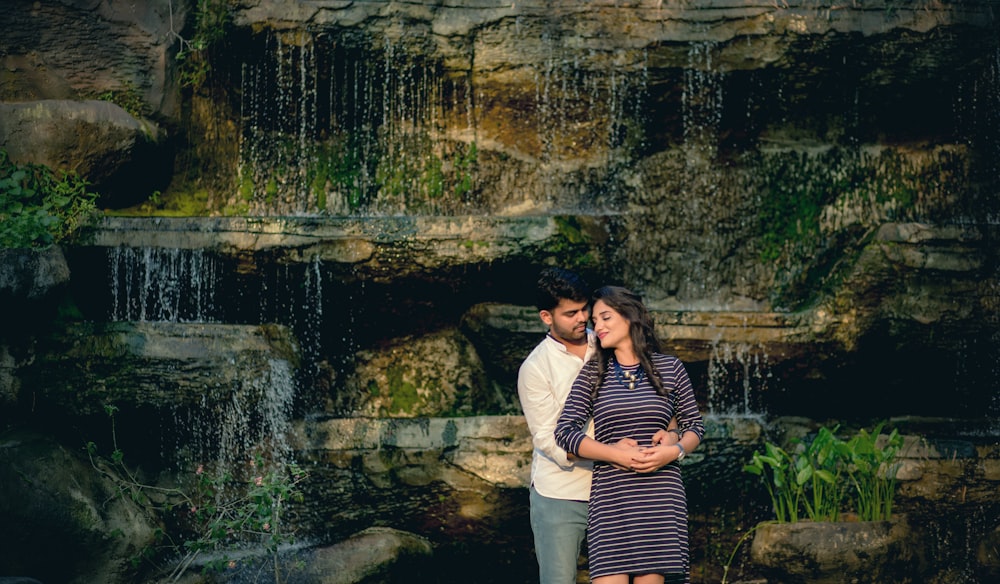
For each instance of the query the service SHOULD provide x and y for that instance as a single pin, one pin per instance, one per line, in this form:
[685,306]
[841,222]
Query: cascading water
[255,420]
[331,127]
[737,376]
[702,103]
[155,284]
[337,125]
[162,285]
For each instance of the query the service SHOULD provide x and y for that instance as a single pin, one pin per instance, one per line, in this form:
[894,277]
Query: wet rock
[837,552]
[438,374]
[30,274]
[80,49]
[119,155]
[469,453]
[154,364]
[55,499]
[372,555]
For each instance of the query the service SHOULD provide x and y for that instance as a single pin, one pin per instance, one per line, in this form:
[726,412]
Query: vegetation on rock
[820,478]
[41,207]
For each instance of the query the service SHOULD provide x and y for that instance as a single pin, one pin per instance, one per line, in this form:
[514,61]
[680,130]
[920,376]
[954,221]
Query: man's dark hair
[554,284]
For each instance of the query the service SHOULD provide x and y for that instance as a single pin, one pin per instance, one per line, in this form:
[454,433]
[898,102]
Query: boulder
[57,503]
[30,274]
[372,555]
[119,155]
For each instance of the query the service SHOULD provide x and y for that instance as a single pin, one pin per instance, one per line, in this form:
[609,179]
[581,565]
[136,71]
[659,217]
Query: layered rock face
[351,201]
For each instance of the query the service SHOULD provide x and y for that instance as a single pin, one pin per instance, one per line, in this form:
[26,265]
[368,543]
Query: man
[560,482]
[559,486]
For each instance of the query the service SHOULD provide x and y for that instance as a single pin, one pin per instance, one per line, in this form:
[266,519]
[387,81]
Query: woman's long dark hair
[640,328]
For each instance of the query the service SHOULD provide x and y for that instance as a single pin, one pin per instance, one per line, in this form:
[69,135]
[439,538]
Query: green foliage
[873,469]
[227,512]
[128,98]
[211,19]
[776,467]
[219,513]
[811,478]
[39,207]
[819,468]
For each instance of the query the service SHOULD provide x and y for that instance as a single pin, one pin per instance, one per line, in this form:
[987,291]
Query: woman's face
[611,328]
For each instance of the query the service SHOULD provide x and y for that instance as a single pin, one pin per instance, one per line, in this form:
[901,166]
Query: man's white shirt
[543,383]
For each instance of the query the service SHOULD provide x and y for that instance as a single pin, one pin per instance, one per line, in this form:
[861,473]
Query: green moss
[569,228]
[796,188]
[246,187]
[403,395]
[868,188]
[573,244]
[175,204]
[465,170]
[270,190]
[239,210]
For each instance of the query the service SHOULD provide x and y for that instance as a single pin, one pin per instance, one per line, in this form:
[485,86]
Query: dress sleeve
[689,418]
[572,425]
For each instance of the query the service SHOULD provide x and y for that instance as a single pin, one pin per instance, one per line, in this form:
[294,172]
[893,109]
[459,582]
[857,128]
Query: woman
[637,518]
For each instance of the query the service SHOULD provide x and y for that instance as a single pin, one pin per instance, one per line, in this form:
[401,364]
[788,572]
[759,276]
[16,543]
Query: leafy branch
[211,18]
[221,513]
[39,206]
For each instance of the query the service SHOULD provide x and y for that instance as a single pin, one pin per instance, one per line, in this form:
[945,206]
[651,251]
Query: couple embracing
[610,418]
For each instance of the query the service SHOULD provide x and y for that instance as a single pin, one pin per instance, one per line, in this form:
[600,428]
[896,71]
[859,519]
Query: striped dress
[637,522]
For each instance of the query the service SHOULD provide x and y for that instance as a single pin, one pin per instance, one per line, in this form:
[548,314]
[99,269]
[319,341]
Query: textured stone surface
[31,274]
[835,552]
[53,498]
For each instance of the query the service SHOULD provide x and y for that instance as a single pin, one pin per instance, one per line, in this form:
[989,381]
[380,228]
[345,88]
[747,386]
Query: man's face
[568,321]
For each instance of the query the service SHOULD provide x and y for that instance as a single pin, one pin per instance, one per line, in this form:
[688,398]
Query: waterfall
[702,102]
[254,420]
[342,126]
[181,286]
[369,126]
[738,374]
[168,285]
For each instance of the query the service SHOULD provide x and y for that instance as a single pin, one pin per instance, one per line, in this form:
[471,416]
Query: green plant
[873,470]
[820,467]
[811,478]
[220,513]
[211,18]
[776,467]
[127,97]
[39,207]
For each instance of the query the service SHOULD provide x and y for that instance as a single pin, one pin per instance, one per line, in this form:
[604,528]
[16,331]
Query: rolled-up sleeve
[689,418]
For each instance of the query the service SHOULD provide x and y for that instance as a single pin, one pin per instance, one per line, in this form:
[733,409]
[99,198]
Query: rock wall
[805,193]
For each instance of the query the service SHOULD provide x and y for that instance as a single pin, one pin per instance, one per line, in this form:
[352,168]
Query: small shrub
[820,479]
[219,513]
[39,207]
